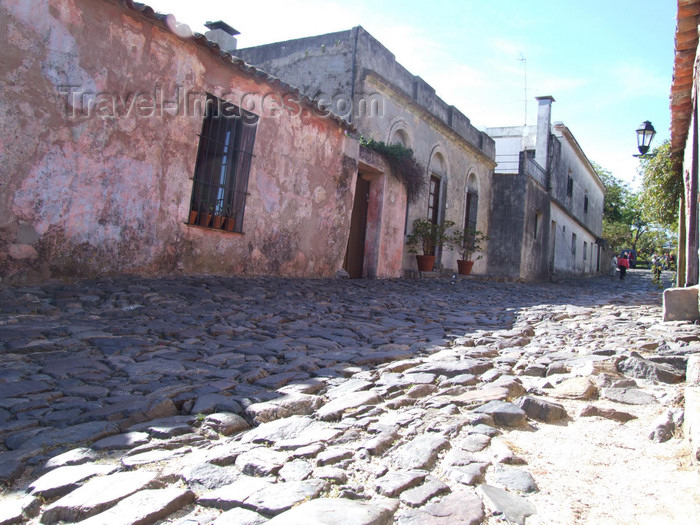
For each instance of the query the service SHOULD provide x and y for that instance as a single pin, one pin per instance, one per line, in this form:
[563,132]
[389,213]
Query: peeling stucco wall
[98,143]
[385,218]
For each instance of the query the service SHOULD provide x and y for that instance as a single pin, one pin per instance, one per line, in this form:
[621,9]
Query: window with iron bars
[471,208]
[434,200]
[220,183]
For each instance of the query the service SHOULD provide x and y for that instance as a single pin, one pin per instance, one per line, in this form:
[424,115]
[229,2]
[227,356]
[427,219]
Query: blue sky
[608,64]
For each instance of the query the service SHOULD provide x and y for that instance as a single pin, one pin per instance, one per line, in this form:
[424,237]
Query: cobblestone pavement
[222,400]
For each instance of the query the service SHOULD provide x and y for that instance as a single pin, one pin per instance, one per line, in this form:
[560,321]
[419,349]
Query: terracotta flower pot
[217,222]
[193,217]
[205,219]
[464,267]
[425,262]
[229,224]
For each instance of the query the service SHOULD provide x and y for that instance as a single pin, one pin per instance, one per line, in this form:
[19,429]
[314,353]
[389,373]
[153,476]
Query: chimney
[223,34]
[544,119]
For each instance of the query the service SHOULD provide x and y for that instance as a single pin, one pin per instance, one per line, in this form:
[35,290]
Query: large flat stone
[234,494]
[334,511]
[628,396]
[462,506]
[419,453]
[285,406]
[506,414]
[301,428]
[62,480]
[210,476]
[515,509]
[394,483]
[54,437]
[278,497]
[225,423]
[97,495]
[144,507]
[420,495]
[122,441]
[513,479]
[471,397]
[335,409]
[22,388]
[261,461]
[453,368]
[542,410]
[575,388]
[638,367]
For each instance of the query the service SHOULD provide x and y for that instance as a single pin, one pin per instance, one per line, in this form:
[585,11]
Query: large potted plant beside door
[467,242]
[425,239]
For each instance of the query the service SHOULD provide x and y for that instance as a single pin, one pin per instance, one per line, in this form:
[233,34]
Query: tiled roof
[683,67]
[168,21]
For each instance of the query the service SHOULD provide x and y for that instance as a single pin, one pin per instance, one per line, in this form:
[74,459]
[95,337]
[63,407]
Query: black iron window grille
[220,183]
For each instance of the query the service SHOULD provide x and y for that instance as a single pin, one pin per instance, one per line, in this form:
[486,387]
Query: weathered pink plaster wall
[386,214]
[102,183]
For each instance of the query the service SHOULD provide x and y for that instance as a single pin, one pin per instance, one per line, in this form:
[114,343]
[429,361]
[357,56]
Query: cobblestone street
[242,401]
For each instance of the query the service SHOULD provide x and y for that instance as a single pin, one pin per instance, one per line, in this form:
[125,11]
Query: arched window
[472,205]
[401,137]
[437,170]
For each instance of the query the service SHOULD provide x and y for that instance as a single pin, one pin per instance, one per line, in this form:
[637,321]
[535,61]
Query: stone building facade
[360,80]
[547,208]
[118,125]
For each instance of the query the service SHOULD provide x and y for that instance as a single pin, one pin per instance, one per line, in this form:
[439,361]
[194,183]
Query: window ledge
[215,230]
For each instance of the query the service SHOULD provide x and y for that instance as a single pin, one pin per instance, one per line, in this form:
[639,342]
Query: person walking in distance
[623,263]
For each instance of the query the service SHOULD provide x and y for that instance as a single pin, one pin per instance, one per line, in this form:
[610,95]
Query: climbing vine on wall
[402,163]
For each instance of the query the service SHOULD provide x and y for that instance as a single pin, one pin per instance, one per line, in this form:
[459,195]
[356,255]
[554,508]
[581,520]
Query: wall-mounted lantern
[645,132]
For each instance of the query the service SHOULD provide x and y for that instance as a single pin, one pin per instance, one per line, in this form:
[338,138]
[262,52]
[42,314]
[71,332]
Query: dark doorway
[355,254]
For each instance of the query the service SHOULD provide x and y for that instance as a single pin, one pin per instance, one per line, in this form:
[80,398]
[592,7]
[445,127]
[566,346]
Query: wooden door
[355,253]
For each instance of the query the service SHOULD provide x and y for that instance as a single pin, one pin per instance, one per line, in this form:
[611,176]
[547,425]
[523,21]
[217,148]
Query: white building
[547,203]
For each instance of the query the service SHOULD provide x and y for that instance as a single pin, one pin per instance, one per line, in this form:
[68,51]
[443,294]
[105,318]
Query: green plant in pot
[426,238]
[467,242]
[229,220]
[206,214]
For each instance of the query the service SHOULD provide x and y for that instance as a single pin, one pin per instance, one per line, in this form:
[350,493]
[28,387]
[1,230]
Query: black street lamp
[645,132]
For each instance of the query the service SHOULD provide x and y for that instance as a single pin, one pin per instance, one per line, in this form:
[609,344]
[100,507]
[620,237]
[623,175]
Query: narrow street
[197,400]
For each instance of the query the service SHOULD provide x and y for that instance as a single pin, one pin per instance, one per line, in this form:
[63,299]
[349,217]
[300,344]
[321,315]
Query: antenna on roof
[524,61]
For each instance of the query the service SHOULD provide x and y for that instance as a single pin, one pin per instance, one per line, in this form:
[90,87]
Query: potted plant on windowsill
[229,219]
[467,242]
[206,214]
[427,236]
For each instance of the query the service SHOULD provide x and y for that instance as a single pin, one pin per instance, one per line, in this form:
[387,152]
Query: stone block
[541,410]
[681,304]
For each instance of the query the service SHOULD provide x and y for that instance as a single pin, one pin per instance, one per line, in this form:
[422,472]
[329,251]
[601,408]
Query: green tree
[616,195]
[618,212]
[635,215]
[662,186]
[658,240]
[618,235]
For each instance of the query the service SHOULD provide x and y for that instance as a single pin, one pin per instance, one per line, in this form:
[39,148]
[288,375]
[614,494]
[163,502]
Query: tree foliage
[656,241]
[662,186]
[641,220]
[616,195]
